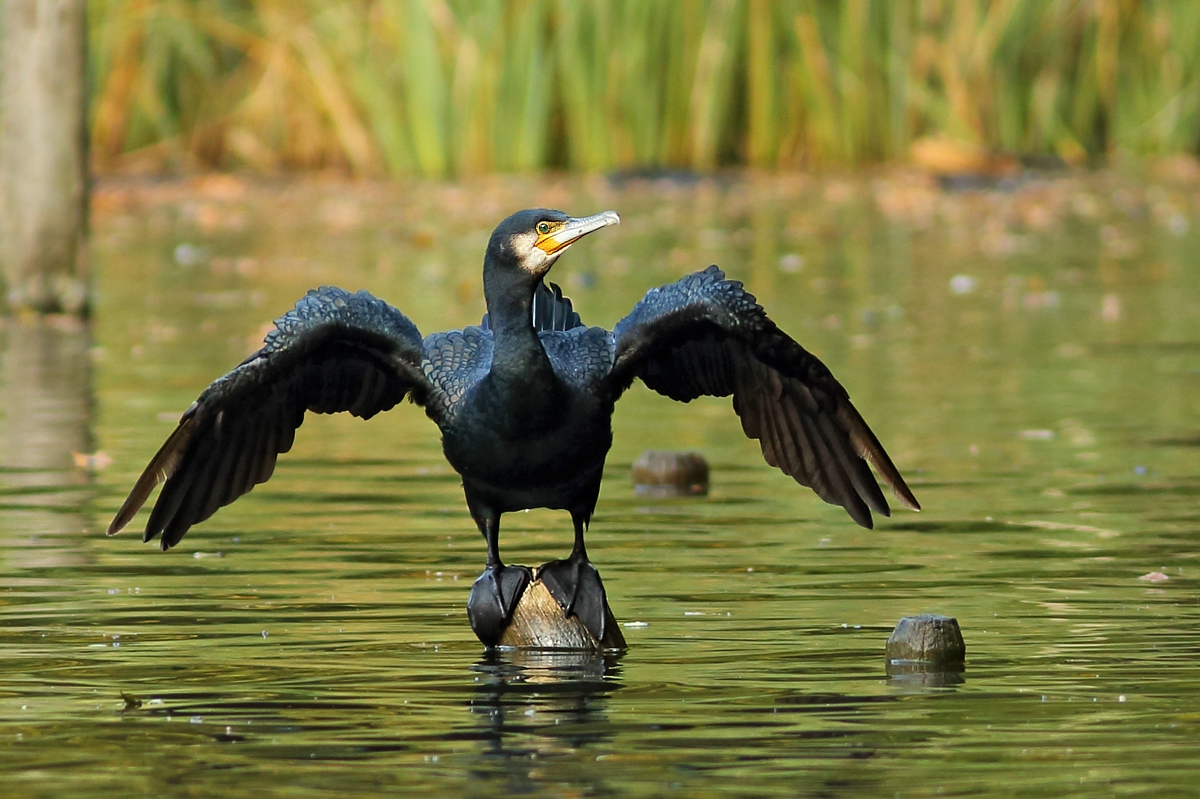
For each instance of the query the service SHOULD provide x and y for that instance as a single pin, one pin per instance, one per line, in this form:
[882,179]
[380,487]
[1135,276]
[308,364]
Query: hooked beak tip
[575,229]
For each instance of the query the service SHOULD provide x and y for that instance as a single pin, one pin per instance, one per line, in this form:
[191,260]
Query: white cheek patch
[535,261]
[531,257]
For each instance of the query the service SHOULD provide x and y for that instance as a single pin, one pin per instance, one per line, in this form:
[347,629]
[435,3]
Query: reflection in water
[533,705]
[45,412]
[917,674]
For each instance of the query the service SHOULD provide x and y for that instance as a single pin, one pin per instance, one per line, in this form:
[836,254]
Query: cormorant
[524,402]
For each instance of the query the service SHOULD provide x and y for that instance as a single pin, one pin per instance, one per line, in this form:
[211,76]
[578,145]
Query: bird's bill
[558,239]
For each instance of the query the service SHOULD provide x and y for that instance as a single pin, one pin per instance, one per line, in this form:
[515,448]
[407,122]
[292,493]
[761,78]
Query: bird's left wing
[705,335]
[335,351]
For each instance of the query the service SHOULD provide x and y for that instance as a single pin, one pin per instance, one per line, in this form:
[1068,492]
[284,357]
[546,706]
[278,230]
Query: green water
[1029,356]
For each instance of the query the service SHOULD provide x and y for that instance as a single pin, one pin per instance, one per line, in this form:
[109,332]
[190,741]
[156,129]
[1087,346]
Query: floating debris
[189,254]
[962,284]
[791,263]
[92,461]
[1110,308]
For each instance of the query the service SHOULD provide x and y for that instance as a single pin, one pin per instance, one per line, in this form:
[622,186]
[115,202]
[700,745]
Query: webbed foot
[494,597]
[575,585]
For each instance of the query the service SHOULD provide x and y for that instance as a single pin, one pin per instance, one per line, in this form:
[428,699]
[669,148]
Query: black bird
[524,402]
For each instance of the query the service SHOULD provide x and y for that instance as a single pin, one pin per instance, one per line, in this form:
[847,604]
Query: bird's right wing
[335,351]
[705,335]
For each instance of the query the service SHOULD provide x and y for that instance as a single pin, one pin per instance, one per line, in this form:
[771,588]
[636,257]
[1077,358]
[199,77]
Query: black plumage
[524,402]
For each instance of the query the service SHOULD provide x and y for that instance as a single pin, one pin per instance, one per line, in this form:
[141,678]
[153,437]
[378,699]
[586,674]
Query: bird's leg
[495,594]
[575,584]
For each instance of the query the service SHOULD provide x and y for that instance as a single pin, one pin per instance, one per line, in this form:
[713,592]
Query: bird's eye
[543,228]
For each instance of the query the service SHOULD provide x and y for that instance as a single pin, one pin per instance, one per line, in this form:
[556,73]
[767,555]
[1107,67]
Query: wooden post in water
[670,474]
[927,638]
[43,155]
[926,651]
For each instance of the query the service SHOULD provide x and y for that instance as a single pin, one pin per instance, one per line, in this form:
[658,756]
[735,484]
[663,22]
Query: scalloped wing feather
[706,335]
[334,351]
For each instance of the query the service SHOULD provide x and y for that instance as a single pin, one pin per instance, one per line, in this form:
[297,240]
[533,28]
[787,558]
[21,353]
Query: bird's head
[531,240]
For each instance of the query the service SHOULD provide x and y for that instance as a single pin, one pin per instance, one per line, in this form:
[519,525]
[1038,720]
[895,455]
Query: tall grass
[441,87]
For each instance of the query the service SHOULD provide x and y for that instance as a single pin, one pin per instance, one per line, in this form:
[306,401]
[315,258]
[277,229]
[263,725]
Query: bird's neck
[510,312]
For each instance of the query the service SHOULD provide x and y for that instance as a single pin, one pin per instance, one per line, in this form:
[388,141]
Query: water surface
[1029,354]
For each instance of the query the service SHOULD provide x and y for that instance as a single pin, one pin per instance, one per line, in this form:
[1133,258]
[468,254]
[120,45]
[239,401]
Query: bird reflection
[530,706]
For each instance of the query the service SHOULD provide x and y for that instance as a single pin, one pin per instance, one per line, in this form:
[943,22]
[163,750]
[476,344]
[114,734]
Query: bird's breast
[529,439]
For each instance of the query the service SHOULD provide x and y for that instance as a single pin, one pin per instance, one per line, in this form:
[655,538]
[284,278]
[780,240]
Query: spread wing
[705,335]
[335,351]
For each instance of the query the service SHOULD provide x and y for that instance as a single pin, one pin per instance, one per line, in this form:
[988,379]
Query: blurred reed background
[441,87]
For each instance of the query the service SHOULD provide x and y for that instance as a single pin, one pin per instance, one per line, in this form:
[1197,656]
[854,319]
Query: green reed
[441,87]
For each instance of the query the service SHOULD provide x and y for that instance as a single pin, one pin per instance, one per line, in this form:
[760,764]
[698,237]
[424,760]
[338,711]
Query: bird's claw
[576,586]
[494,597]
